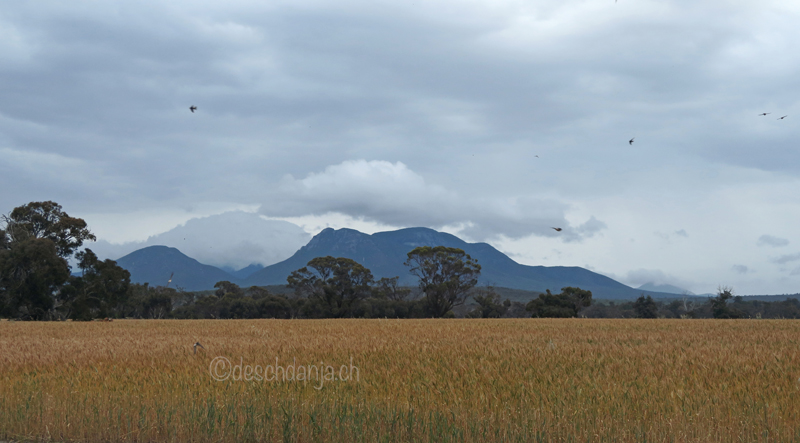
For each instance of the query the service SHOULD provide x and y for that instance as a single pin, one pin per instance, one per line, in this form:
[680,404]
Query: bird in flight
[557,229]
[192,108]
[630,142]
[765,113]
[196,345]
[783,117]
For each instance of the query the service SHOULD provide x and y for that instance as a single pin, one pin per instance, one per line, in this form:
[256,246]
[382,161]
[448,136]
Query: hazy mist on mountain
[669,289]
[231,240]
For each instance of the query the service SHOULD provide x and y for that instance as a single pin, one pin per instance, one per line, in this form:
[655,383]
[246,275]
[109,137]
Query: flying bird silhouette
[630,142]
[196,345]
[765,113]
[783,117]
[557,229]
[192,108]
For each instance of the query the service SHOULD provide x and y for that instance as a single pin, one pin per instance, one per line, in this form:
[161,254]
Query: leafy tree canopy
[30,273]
[563,305]
[719,305]
[336,284]
[645,307]
[101,290]
[47,220]
[388,288]
[445,276]
[489,304]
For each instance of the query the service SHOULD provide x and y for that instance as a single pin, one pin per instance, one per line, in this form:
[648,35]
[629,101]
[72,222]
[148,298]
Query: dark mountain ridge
[385,252]
[155,264]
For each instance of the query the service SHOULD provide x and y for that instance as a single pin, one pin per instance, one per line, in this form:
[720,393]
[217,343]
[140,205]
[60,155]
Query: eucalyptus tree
[445,276]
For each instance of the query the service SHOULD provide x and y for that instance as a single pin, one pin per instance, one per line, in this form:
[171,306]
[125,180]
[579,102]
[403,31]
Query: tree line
[724,305]
[37,241]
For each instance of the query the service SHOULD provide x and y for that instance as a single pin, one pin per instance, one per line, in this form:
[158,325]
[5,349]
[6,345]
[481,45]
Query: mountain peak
[384,253]
[155,265]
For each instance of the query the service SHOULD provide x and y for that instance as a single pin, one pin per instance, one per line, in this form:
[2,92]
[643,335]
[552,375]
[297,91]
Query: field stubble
[419,380]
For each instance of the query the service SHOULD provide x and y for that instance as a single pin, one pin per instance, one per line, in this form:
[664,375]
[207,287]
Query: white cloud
[393,194]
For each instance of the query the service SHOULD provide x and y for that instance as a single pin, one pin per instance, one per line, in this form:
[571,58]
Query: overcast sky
[493,120]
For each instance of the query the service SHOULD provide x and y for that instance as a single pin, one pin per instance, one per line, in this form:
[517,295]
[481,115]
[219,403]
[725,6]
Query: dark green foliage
[333,286]
[227,289]
[145,301]
[645,307]
[551,306]
[101,290]
[489,304]
[35,243]
[789,308]
[563,305]
[31,272]
[445,276]
[387,288]
[230,301]
[158,304]
[719,305]
[46,220]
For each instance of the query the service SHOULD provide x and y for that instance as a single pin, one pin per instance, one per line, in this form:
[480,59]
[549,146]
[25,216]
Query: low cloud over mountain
[394,195]
[232,239]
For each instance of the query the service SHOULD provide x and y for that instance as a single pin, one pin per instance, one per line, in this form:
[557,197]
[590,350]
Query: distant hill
[243,273]
[384,253]
[154,264]
[669,289]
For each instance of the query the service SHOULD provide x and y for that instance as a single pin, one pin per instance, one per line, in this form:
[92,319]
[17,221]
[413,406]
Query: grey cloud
[783,259]
[590,227]
[110,85]
[740,269]
[94,106]
[392,194]
[769,240]
[668,237]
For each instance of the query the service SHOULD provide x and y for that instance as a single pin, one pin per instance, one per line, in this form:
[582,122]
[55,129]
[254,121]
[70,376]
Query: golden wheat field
[412,380]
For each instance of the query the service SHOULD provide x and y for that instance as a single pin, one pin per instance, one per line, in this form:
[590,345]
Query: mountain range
[384,254]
